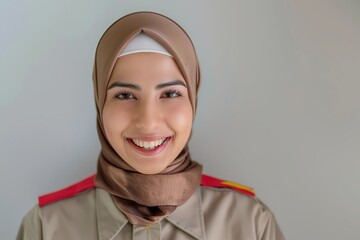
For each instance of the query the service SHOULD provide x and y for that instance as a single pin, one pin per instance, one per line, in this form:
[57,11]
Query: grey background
[279,106]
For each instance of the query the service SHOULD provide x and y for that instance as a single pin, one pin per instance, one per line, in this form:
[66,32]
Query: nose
[147,117]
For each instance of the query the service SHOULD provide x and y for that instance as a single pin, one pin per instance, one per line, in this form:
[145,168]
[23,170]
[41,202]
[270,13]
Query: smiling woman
[147,115]
[146,79]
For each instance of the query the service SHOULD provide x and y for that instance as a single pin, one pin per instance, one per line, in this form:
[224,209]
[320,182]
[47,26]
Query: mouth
[149,147]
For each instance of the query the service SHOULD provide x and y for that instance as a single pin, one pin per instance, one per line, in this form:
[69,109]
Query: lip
[149,138]
[152,152]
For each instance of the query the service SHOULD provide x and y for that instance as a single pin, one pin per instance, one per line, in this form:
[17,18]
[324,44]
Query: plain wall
[279,105]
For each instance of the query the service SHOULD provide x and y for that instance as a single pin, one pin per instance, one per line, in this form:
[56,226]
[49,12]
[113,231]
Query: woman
[146,78]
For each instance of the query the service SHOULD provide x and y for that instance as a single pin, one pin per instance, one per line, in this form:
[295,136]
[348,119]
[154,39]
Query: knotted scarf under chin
[146,199]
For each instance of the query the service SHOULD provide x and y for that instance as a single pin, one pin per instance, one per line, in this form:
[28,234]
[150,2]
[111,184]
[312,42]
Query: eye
[171,94]
[125,95]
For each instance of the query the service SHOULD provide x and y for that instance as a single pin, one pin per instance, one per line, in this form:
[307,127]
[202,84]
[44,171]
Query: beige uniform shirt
[211,213]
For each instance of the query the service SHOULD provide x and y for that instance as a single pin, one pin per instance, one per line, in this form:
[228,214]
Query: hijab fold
[145,199]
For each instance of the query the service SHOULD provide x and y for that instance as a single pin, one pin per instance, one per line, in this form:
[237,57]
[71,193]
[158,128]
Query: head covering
[145,199]
[143,43]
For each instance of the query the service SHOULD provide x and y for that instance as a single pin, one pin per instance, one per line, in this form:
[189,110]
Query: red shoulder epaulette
[88,183]
[70,191]
[216,182]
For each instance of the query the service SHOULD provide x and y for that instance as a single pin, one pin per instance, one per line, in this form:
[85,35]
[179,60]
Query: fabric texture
[209,214]
[145,199]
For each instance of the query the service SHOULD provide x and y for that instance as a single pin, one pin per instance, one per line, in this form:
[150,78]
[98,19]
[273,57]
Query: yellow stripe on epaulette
[210,181]
[239,186]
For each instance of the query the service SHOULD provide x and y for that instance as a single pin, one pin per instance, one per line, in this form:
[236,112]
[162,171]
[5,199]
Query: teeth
[148,145]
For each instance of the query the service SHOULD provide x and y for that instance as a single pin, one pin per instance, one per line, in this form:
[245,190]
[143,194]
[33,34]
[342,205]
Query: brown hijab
[145,199]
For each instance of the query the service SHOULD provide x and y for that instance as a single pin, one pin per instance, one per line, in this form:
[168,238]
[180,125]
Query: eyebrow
[137,87]
[126,85]
[171,83]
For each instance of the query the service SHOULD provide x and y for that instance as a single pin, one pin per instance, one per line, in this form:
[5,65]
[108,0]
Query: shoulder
[228,199]
[244,213]
[73,201]
[32,217]
[218,196]
[68,192]
[70,212]
[72,215]
[31,225]
[72,204]
[227,194]
[210,181]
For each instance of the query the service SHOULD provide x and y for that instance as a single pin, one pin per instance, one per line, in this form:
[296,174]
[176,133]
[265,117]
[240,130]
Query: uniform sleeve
[271,230]
[30,228]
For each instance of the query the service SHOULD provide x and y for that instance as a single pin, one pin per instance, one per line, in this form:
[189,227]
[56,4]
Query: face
[147,116]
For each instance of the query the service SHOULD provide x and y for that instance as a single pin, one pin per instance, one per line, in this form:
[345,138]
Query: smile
[148,145]
[149,148]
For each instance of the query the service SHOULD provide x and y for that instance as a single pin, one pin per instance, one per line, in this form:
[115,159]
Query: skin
[147,99]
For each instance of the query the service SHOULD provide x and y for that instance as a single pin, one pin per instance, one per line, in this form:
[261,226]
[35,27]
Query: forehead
[145,65]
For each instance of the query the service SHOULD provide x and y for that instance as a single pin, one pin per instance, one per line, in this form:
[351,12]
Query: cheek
[113,121]
[180,119]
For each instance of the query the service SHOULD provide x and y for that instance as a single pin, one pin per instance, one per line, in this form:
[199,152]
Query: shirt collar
[110,219]
[187,217]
